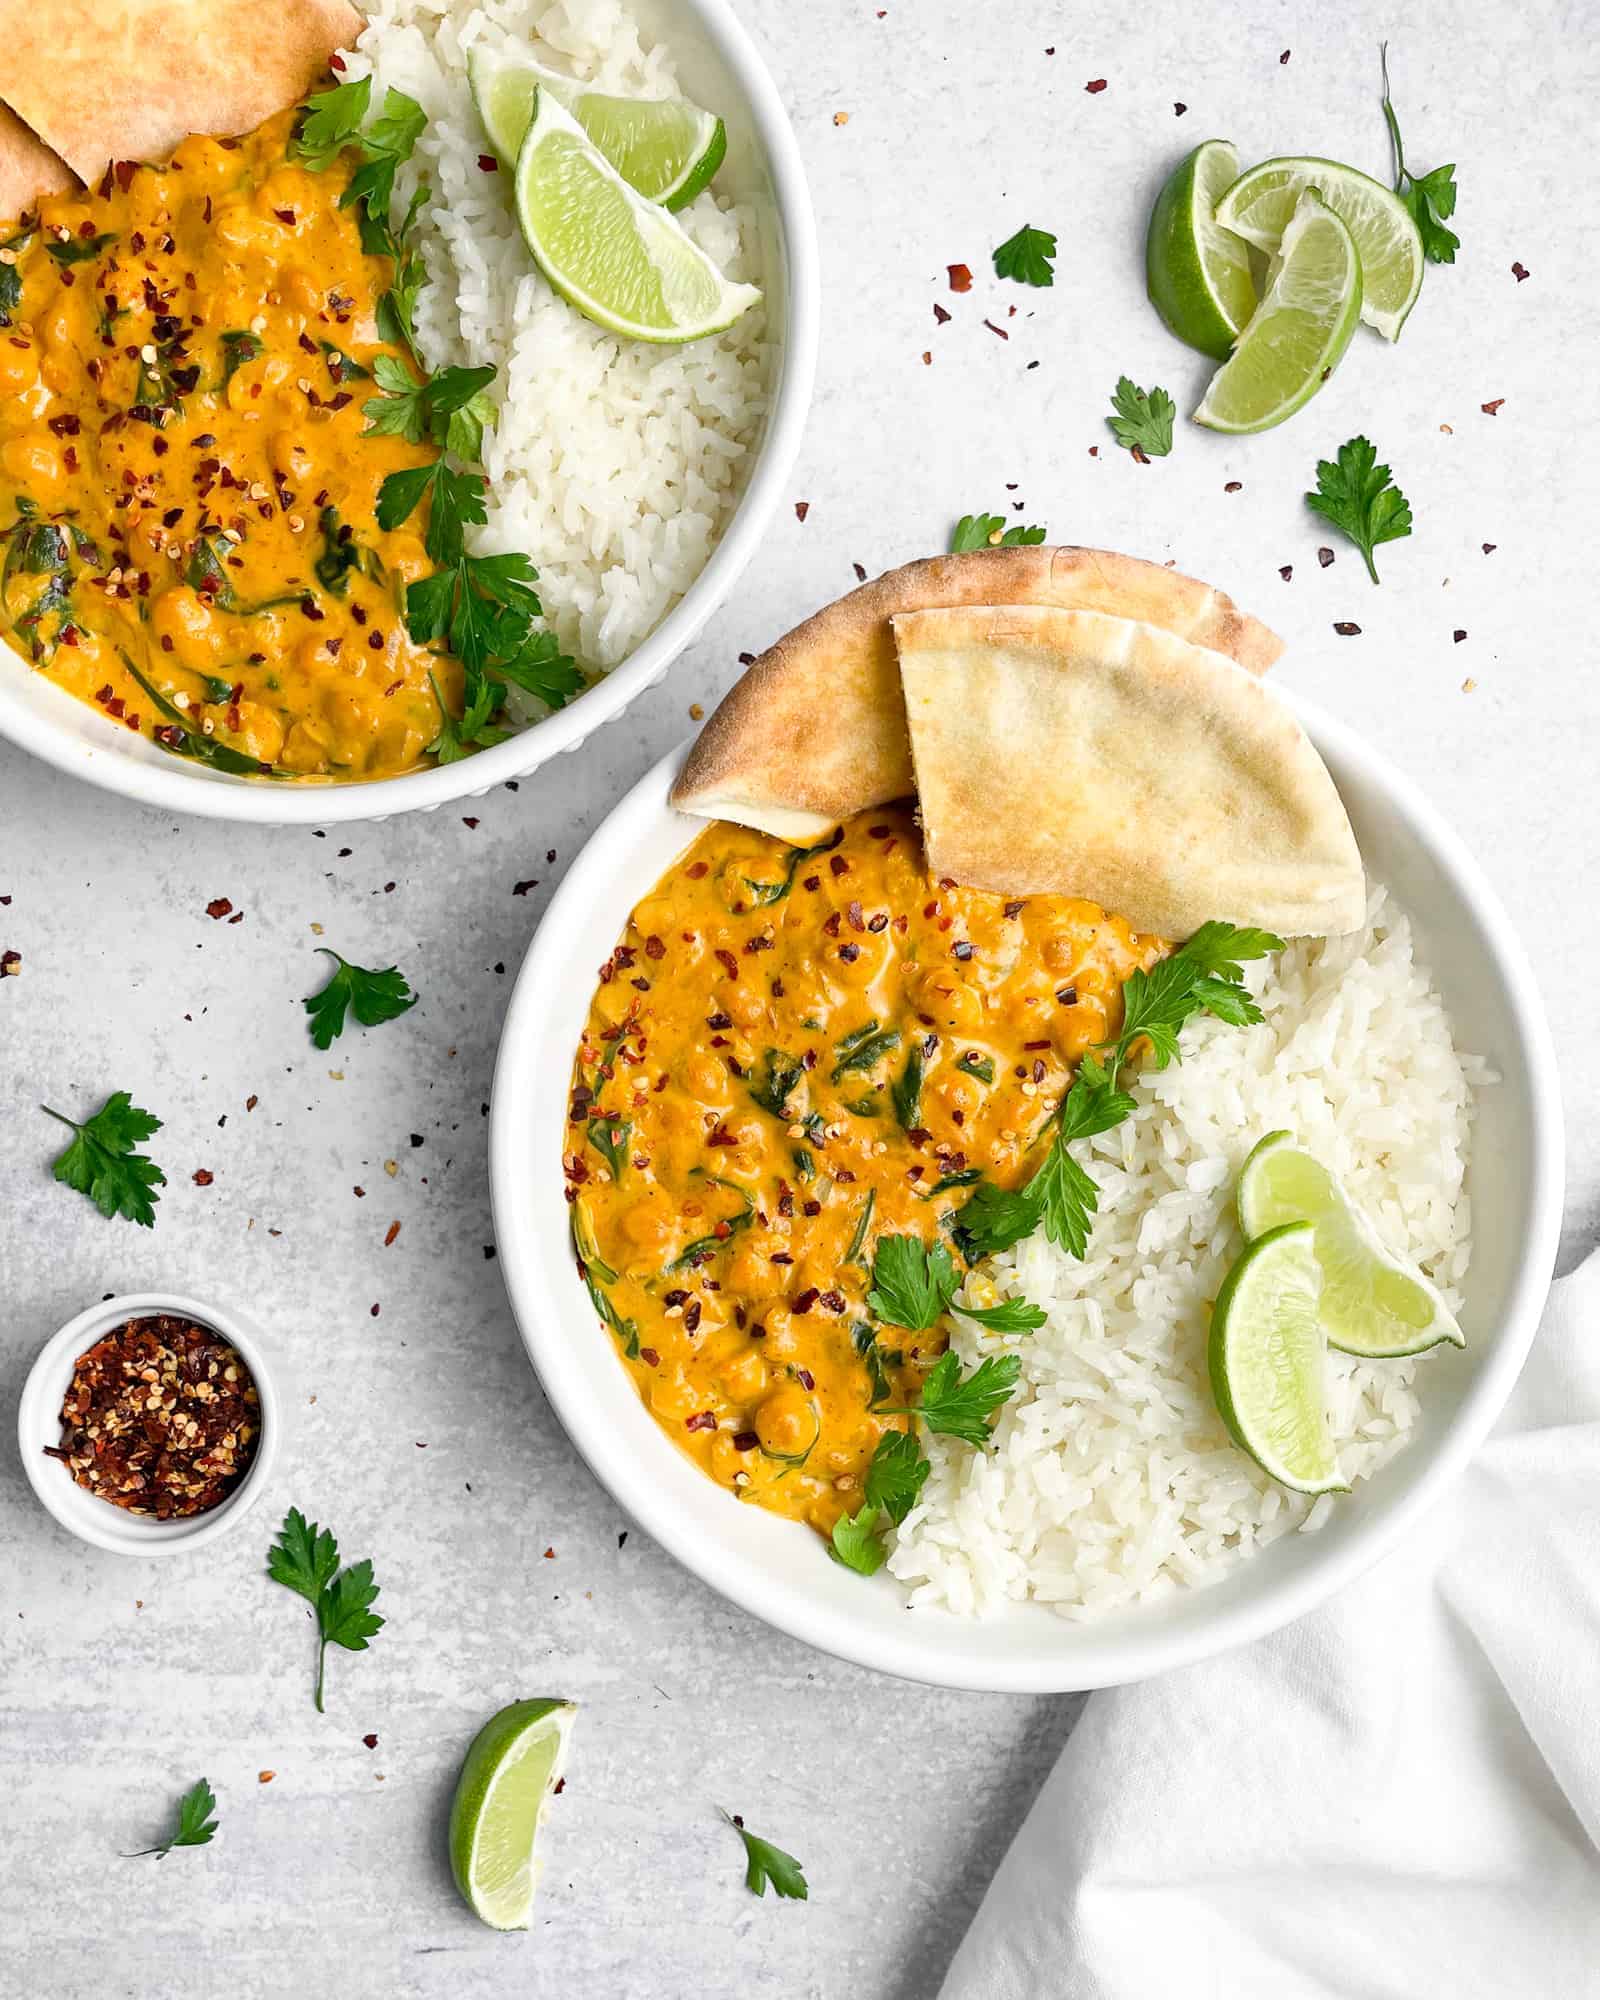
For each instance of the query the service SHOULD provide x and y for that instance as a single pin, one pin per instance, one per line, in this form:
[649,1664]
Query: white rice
[1111,1479]
[613,464]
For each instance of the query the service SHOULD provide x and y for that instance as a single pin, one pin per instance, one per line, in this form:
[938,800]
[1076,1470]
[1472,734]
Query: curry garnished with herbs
[792,1055]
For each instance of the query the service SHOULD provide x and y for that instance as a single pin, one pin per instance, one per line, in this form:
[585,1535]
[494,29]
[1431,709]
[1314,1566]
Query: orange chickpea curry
[187,499]
[791,1053]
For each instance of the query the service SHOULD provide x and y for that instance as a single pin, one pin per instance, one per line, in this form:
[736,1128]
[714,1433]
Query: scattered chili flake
[1519,272]
[10,964]
[1490,547]
[702,1420]
[1459,635]
[1324,556]
[1179,109]
[1094,89]
[960,277]
[161,1418]
[745,1440]
[488,164]
[203,1177]
[522,888]
[861,574]
[801,509]
[989,323]
[390,1234]
[651,1359]
[1493,409]
[1284,57]
[1346,630]
[940,315]
[218,908]
[1234,486]
[371,1740]
[1286,571]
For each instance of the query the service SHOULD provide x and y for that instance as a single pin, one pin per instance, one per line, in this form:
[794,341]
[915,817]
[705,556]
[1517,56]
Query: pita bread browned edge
[817,722]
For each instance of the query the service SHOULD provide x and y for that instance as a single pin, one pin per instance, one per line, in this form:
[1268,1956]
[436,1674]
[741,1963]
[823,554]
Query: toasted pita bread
[107,80]
[815,730]
[1066,752]
[28,168]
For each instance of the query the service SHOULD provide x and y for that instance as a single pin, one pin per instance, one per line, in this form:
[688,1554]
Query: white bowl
[717,64]
[780,1570]
[39,1424]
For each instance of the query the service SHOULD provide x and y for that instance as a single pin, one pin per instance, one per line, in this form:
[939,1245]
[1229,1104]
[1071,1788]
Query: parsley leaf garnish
[1203,976]
[305,1559]
[911,1283]
[857,1543]
[371,996]
[101,1162]
[1360,498]
[1143,420]
[960,1406]
[447,409]
[1026,257]
[989,531]
[196,1823]
[896,1475]
[768,1864]
[1431,197]
[333,120]
[1010,1316]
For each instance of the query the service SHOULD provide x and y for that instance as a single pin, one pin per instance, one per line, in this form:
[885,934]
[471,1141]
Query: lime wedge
[506,1781]
[1299,331]
[666,149]
[618,258]
[1373,1302]
[1258,207]
[1197,274]
[1267,1356]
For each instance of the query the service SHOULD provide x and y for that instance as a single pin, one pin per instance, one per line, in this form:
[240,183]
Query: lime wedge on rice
[1373,1302]
[1197,274]
[1259,206]
[1267,1361]
[666,149]
[621,260]
[1299,331]
[507,1778]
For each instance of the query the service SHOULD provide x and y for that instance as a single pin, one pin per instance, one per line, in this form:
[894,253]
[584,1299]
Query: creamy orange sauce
[193,545]
[787,1056]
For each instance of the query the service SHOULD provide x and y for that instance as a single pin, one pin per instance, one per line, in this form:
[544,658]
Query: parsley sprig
[196,1822]
[1143,420]
[914,1284]
[1204,976]
[1431,197]
[305,1559]
[101,1163]
[765,1863]
[371,996]
[1360,498]
[1027,257]
[989,531]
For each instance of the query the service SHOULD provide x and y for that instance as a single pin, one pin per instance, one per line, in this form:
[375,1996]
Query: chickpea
[183,616]
[744,1380]
[288,453]
[19,366]
[706,1080]
[787,1419]
[33,462]
[260,731]
[648,1224]
[300,291]
[235,228]
[672,1396]
[745,1008]
[957,1091]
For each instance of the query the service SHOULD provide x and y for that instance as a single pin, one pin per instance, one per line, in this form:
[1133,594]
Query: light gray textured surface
[427,1444]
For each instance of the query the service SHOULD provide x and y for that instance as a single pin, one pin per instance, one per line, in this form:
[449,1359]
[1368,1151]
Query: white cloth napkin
[1397,1798]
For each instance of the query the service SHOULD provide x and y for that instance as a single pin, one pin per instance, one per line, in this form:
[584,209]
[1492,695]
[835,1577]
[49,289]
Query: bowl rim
[170,786]
[97,1521]
[526,1265]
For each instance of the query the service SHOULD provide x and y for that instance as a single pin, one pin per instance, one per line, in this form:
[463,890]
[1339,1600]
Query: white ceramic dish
[781,1571]
[717,64]
[39,1424]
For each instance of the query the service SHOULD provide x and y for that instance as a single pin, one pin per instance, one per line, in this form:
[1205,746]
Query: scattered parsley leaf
[305,1559]
[1360,498]
[1431,197]
[101,1163]
[78,249]
[989,531]
[953,1405]
[333,119]
[196,1823]
[1011,1316]
[1143,421]
[911,1282]
[1026,257]
[434,409]
[896,1475]
[768,1864]
[856,1542]
[371,996]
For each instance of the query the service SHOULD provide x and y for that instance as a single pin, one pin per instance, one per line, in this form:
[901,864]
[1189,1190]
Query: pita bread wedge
[28,168]
[1066,752]
[103,80]
[815,730]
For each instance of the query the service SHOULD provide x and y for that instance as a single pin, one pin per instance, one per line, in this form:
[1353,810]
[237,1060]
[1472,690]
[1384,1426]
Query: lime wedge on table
[506,1781]
[1197,274]
[1299,331]
[618,258]
[1267,1358]
[1373,1302]
[1259,205]
[666,149]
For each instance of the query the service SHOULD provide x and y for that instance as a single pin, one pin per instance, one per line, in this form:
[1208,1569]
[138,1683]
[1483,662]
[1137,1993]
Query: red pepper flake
[488,164]
[728,962]
[804,1377]
[203,1177]
[371,1740]
[696,869]
[849,953]
[702,1420]
[960,277]
[1346,630]
[1325,556]
[961,949]
[522,888]
[943,319]
[721,1136]
[653,947]
[1234,486]
[837,865]
[1286,571]
[1094,89]
[1490,547]
[745,1440]
[801,509]
[10,964]
[1459,635]
[1179,109]
[1283,58]
[989,323]
[861,574]
[1493,409]
[649,1357]
[218,908]
[691,1316]
[1519,272]
[390,1234]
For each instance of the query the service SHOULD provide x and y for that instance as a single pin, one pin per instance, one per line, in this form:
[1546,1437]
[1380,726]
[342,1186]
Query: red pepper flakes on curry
[790,1052]
[187,502]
